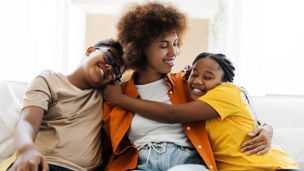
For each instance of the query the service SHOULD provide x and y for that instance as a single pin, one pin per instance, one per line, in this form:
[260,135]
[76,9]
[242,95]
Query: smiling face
[97,72]
[205,75]
[161,54]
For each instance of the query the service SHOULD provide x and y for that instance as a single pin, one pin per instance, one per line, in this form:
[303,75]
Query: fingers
[44,164]
[186,68]
[265,150]
[259,144]
[255,132]
[256,150]
[25,166]
[250,146]
[253,141]
[33,165]
[30,165]
[18,168]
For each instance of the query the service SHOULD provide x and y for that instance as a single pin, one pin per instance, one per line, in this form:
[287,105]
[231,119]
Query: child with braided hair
[217,101]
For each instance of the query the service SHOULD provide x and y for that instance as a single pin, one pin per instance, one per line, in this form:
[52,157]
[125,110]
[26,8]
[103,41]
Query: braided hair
[223,61]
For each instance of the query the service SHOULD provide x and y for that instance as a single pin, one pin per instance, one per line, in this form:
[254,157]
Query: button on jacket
[118,120]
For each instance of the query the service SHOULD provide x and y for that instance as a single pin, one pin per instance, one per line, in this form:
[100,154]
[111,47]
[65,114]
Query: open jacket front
[118,120]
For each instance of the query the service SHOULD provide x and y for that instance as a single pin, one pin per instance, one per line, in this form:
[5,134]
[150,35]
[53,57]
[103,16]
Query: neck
[76,78]
[146,77]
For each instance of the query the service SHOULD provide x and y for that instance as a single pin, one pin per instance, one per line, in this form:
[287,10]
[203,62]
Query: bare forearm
[24,135]
[192,111]
[28,127]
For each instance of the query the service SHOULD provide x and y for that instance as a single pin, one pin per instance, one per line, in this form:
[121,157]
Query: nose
[198,81]
[172,50]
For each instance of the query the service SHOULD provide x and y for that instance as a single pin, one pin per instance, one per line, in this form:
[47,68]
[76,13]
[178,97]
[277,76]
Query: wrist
[26,148]
[118,99]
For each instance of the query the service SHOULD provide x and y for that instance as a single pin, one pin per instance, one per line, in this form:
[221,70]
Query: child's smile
[205,75]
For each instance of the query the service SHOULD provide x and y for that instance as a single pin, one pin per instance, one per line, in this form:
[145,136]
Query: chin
[194,97]
[167,71]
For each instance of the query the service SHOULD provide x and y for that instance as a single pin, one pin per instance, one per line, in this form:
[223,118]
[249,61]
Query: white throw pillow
[9,115]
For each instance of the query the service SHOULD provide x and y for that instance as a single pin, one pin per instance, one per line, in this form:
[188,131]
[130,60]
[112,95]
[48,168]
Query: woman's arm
[260,142]
[192,111]
[27,128]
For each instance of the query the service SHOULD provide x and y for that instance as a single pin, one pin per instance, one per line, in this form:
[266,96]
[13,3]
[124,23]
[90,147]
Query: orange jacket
[118,120]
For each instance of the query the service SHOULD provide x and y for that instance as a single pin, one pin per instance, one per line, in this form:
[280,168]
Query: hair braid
[223,61]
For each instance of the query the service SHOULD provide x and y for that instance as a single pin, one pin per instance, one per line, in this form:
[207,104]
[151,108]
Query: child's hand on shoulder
[187,71]
[112,92]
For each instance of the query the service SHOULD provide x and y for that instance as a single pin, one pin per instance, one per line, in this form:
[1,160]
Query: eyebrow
[164,41]
[209,72]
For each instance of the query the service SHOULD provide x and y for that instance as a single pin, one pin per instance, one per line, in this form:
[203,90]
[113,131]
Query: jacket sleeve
[105,133]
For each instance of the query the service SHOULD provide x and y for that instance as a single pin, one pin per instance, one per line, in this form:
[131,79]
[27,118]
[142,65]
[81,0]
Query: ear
[90,50]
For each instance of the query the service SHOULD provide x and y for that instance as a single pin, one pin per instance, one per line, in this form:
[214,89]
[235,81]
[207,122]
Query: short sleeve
[225,99]
[37,93]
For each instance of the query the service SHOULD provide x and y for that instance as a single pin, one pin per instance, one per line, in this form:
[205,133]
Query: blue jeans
[51,168]
[165,155]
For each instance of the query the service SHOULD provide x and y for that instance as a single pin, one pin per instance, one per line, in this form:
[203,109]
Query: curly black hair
[141,24]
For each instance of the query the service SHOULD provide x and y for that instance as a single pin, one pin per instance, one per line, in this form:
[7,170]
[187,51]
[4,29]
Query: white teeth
[171,62]
[197,90]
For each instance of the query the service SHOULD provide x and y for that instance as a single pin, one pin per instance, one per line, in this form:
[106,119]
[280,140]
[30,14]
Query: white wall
[37,35]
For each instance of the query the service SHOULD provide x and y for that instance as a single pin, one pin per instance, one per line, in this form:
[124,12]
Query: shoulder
[225,90]
[224,98]
[176,76]
[227,87]
[49,74]
[46,78]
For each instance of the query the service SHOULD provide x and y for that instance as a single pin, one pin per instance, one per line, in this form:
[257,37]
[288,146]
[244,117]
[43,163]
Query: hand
[187,71]
[186,68]
[30,160]
[260,142]
[112,92]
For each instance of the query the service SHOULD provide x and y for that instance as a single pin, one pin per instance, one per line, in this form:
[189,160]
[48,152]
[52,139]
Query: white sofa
[285,114]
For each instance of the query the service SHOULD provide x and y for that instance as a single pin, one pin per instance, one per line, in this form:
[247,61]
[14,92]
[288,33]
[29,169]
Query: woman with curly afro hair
[151,35]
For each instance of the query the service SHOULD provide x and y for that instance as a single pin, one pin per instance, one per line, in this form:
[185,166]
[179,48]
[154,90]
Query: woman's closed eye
[163,45]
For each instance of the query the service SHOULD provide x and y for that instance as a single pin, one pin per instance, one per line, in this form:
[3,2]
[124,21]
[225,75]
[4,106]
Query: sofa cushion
[11,94]
[280,111]
[290,140]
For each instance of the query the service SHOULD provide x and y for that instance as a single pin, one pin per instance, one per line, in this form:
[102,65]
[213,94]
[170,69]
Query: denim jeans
[51,168]
[165,155]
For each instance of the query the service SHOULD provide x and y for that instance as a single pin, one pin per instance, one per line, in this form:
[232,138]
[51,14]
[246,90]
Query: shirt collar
[130,88]
[169,80]
[132,91]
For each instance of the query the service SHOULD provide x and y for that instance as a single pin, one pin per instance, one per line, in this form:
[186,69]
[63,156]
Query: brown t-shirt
[69,135]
